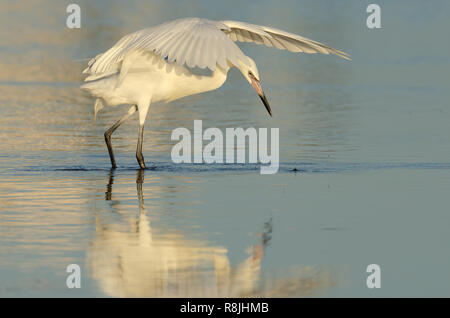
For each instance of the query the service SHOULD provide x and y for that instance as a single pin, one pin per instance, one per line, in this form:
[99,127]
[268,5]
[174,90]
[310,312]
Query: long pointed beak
[266,103]
[258,88]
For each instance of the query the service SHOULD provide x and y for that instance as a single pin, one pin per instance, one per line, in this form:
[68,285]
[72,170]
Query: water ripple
[300,167]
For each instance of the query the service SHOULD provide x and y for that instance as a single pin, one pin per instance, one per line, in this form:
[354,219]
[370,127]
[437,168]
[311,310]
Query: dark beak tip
[266,104]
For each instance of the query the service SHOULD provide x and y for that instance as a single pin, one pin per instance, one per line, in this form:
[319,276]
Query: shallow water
[364,149]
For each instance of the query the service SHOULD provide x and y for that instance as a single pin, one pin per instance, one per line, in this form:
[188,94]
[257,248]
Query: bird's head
[251,74]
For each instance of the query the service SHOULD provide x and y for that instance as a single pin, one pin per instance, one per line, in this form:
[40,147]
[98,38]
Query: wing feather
[200,43]
[245,32]
[191,41]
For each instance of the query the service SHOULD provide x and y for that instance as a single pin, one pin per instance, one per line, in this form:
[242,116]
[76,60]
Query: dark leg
[139,156]
[109,132]
[139,181]
[108,192]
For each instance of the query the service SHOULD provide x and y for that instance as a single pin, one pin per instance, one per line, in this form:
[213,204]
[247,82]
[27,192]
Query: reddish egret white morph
[148,65]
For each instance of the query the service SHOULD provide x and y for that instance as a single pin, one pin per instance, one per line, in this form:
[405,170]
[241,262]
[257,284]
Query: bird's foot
[140,159]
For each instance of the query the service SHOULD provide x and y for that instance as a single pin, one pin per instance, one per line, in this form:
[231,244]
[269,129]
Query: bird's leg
[139,181]
[109,132]
[108,192]
[139,156]
[143,109]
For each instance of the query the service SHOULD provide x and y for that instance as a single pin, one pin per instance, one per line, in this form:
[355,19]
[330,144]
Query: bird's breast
[153,77]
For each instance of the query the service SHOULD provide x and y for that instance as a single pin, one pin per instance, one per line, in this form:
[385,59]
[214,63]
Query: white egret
[148,66]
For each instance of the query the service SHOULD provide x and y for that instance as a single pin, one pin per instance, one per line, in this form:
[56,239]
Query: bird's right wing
[246,32]
[192,41]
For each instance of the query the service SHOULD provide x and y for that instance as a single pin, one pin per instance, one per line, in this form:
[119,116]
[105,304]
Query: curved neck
[211,82]
[190,84]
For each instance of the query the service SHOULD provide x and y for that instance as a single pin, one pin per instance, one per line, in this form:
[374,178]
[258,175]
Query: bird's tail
[96,90]
[97,87]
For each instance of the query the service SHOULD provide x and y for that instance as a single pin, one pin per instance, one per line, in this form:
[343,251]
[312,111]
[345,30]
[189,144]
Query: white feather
[165,40]
[245,32]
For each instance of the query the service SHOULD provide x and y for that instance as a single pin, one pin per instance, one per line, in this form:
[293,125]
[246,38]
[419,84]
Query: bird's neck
[200,83]
[189,84]
[211,82]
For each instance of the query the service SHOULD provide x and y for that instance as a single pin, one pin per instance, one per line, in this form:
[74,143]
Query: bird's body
[154,79]
[154,64]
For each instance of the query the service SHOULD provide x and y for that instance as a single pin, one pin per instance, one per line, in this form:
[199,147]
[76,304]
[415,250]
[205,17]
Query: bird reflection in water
[140,261]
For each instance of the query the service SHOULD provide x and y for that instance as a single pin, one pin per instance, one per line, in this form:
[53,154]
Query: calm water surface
[364,150]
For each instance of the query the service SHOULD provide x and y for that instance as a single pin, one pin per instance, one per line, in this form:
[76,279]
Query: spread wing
[246,32]
[196,42]
[200,43]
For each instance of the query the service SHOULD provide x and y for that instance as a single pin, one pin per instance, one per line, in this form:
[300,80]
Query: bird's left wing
[191,41]
[246,32]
